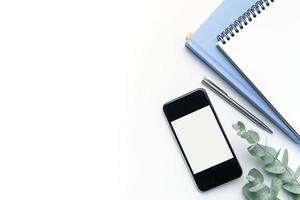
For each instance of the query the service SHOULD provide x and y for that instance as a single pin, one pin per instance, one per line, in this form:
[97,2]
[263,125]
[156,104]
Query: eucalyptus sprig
[283,176]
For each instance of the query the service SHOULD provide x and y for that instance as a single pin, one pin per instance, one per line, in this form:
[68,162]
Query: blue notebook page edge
[203,44]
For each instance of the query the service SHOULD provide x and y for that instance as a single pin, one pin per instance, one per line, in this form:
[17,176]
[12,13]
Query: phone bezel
[215,175]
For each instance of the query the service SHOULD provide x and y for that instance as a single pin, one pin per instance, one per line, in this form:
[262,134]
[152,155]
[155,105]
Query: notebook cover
[203,44]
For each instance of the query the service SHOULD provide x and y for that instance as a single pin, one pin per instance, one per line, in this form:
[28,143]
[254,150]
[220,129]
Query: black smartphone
[202,140]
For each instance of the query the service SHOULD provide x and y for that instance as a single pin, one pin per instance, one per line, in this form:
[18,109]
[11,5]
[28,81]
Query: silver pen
[235,104]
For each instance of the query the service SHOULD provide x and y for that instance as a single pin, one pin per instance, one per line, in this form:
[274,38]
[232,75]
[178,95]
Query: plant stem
[276,160]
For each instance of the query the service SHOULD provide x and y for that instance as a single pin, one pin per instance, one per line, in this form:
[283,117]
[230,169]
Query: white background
[82,84]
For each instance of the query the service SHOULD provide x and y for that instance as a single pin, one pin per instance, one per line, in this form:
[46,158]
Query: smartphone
[202,140]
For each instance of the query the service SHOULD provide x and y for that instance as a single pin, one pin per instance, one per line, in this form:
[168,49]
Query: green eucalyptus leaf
[256,151]
[296,197]
[235,127]
[253,137]
[287,176]
[239,133]
[248,195]
[241,125]
[277,154]
[257,187]
[292,188]
[270,155]
[267,159]
[285,158]
[259,178]
[250,178]
[244,134]
[262,194]
[250,148]
[275,168]
[275,187]
[297,173]
[270,150]
[284,176]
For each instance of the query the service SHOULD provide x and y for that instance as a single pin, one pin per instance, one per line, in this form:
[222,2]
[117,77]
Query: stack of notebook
[252,45]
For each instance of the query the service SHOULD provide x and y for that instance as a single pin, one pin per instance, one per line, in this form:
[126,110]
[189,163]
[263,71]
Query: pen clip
[210,82]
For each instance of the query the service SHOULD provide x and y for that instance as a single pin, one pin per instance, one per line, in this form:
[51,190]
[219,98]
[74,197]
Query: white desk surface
[82,84]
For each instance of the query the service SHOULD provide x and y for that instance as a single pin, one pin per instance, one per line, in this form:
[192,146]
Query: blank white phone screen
[201,139]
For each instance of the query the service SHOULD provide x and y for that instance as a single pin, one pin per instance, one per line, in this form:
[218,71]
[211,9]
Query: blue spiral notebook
[203,44]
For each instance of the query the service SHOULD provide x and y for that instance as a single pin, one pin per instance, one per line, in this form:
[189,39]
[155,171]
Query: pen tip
[270,131]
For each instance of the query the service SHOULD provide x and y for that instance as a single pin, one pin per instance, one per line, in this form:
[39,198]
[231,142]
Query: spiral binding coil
[243,20]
